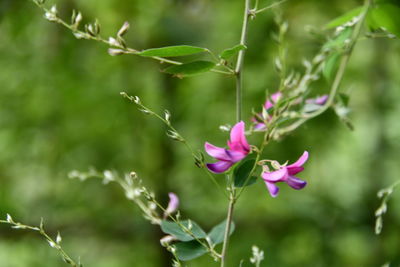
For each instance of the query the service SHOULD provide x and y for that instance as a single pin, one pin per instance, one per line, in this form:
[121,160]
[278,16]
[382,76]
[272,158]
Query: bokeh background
[60,110]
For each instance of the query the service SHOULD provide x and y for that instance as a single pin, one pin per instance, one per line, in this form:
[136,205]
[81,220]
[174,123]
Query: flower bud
[124,29]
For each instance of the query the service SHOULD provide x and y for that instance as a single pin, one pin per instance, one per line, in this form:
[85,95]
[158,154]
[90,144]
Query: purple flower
[261,125]
[173,204]
[285,174]
[320,100]
[238,150]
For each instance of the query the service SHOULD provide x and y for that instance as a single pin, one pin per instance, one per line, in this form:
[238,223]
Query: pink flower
[260,125]
[238,150]
[173,204]
[320,100]
[285,174]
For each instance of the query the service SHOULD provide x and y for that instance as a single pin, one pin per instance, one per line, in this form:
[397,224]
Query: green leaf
[331,66]
[189,250]
[339,40]
[344,18]
[189,69]
[241,173]
[217,233]
[172,51]
[386,16]
[174,229]
[230,52]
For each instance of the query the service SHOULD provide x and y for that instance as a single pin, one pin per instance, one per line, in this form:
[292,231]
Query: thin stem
[240,59]
[270,6]
[227,229]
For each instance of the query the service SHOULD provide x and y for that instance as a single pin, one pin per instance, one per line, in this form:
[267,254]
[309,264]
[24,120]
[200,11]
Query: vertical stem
[239,82]
[239,63]
[227,229]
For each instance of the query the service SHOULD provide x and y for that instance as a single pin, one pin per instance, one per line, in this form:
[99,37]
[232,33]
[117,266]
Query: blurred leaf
[189,69]
[242,171]
[331,66]
[344,18]
[311,107]
[230,52]
[189,250]
[172,51]
[386,16]
[339,40]
[344,99]
[174,229]
[217,233]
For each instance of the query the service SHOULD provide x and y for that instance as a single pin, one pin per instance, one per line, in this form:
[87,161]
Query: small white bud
[152,205]
[79,35]
[58,238]
[225,128]
[167,115]
[52,244]
[108,177]
[9,218]
[115,52]
[113,42]
[124,29]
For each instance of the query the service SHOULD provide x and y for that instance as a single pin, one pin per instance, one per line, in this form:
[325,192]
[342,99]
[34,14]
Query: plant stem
[227,229]
[240,59]
[239,85]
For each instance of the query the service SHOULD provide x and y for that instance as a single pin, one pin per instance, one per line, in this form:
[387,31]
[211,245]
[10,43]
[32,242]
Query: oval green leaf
[189,250]
[230,52]
[174,229]
[190,69]
[172,51]
[242,172]
[344,18]
[217,233]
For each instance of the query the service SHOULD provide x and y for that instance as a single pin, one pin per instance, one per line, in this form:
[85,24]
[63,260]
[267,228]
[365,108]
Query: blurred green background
[60,110]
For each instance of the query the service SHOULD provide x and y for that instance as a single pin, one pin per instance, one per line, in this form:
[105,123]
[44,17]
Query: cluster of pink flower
[238,149]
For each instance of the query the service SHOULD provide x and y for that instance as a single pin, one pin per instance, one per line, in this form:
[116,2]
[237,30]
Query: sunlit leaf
[172,51]
[385,16]
[344,18]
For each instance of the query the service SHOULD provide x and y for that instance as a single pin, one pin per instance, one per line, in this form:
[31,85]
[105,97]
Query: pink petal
[236,156]
[220,166]
[238,139]
[173,204]
[279,175]
[272,188]
[296,183]
[216,152]
[300,161]
[294,170]
[276,96]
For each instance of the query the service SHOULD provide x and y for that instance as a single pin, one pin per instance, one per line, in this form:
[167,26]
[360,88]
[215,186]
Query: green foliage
[217,233]
[230,52]
[344,18]
[189,250]
[385,16]
[331,66]
[174,229]
[172,51]
[242,172]
[190,69]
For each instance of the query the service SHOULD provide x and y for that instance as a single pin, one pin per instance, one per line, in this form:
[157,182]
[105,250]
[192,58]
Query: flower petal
[216,152]
[294,170]
[172,205]
[219,166]
[236,156]
[238,140]
[275,176]
[296,183]
[272,189]
[300,161]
